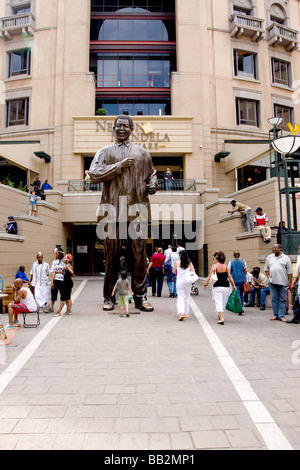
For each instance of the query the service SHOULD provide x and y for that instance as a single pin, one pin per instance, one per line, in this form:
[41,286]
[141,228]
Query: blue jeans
[263,293]
[168,185]
[171,281]
[278,298]
[157,275]
[248,217]
[240,290]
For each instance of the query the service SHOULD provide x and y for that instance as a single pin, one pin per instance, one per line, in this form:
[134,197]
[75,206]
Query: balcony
[17,24]
[185,185]
[245,25]
[133,81]
[281,35]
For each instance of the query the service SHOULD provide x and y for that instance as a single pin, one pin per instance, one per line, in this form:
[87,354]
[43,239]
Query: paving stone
[97,382]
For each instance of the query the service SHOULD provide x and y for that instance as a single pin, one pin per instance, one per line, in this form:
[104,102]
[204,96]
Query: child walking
[32,203]
[124,287]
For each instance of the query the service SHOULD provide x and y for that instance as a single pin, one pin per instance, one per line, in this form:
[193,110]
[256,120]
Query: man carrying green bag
[234,303]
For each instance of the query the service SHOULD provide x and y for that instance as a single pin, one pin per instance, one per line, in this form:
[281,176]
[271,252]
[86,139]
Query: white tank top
[29,301]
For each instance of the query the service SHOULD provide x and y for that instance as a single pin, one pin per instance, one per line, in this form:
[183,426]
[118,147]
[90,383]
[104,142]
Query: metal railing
[78,186]
[177,185]
[133,81]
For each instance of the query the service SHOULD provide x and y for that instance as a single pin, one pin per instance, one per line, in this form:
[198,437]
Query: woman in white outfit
[183,290]
[221,288]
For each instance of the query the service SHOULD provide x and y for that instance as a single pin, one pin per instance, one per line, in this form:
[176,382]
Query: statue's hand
[127,163]
[150,189]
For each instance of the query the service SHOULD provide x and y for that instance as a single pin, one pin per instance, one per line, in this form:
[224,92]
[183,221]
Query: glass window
[244,63]
[135,107]
[247,112]
[20,10]
[241,11]
[140,71]
[19,62]
[154,6]
[110,32]
[130,30]
[286,113]
[280,72]
[122,70]
[126,76]
[17,112]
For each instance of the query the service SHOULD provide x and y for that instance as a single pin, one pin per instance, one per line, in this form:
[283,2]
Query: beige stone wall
[40,233]
[226,233]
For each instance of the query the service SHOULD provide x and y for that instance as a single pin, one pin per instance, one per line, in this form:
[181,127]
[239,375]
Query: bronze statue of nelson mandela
[126,171]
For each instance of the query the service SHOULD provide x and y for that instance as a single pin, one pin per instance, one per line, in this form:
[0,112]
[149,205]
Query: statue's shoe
[108,305]
[144,306]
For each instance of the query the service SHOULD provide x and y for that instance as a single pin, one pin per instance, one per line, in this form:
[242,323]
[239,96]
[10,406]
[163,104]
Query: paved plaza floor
[94,380]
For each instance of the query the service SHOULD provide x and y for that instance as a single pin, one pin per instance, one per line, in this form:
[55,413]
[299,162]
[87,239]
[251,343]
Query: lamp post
[289,169]
[275,122]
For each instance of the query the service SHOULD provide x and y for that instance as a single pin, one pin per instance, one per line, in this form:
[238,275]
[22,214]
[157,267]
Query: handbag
[247,287]
[213,277]
[190,277]
[234,303]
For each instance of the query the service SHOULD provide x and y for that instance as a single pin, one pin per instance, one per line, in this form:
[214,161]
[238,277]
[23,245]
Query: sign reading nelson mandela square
[144,135]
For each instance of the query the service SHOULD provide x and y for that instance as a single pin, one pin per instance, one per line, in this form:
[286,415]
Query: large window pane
[126,76]
[110,72]
[110,30]
[19,62]
[17,112]
[247,112]
[141,71]
[244,63]
[140,30]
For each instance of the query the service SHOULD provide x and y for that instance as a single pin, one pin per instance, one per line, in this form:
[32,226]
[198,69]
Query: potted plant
[101,112]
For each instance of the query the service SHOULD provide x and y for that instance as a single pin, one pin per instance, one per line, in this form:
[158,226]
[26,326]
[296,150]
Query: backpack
[167,267]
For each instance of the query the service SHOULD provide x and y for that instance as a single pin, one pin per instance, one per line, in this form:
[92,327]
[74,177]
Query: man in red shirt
[156,267]
[261,221]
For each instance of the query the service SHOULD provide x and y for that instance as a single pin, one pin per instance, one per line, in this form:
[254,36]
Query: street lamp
[287,145]
[275,121]
[288,172]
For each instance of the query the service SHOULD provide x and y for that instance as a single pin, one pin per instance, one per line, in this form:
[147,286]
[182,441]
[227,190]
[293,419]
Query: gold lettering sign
[143,134]
[294,131]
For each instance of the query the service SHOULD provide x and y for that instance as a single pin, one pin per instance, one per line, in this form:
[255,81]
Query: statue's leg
[138,255]
[111,253]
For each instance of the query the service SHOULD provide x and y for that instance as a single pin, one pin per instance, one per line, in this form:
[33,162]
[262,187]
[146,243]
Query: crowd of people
[276,281]
[42,288]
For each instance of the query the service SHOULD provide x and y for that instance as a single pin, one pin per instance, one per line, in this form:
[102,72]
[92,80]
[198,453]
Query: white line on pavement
[13,369]
[268,429]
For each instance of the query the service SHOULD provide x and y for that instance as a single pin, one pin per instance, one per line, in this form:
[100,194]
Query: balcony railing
[178,185]
[245,25]
[133,81]
[281,35]
[77,186]
[17,24]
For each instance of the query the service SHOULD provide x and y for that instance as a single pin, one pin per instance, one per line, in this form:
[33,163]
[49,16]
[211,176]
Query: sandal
[181,317]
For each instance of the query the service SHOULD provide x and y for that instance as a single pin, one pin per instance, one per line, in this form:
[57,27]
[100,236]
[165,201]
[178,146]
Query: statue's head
[123,127]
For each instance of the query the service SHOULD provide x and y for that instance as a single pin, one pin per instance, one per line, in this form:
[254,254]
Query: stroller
[194,289]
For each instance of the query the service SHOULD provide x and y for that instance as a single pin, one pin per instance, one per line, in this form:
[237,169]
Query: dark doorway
[88,251]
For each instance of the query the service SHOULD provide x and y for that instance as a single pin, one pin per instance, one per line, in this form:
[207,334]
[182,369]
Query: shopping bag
[234,303]
[247,287]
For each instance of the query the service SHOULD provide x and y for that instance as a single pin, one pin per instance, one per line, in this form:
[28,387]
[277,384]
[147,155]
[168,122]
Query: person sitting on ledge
[11,226]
